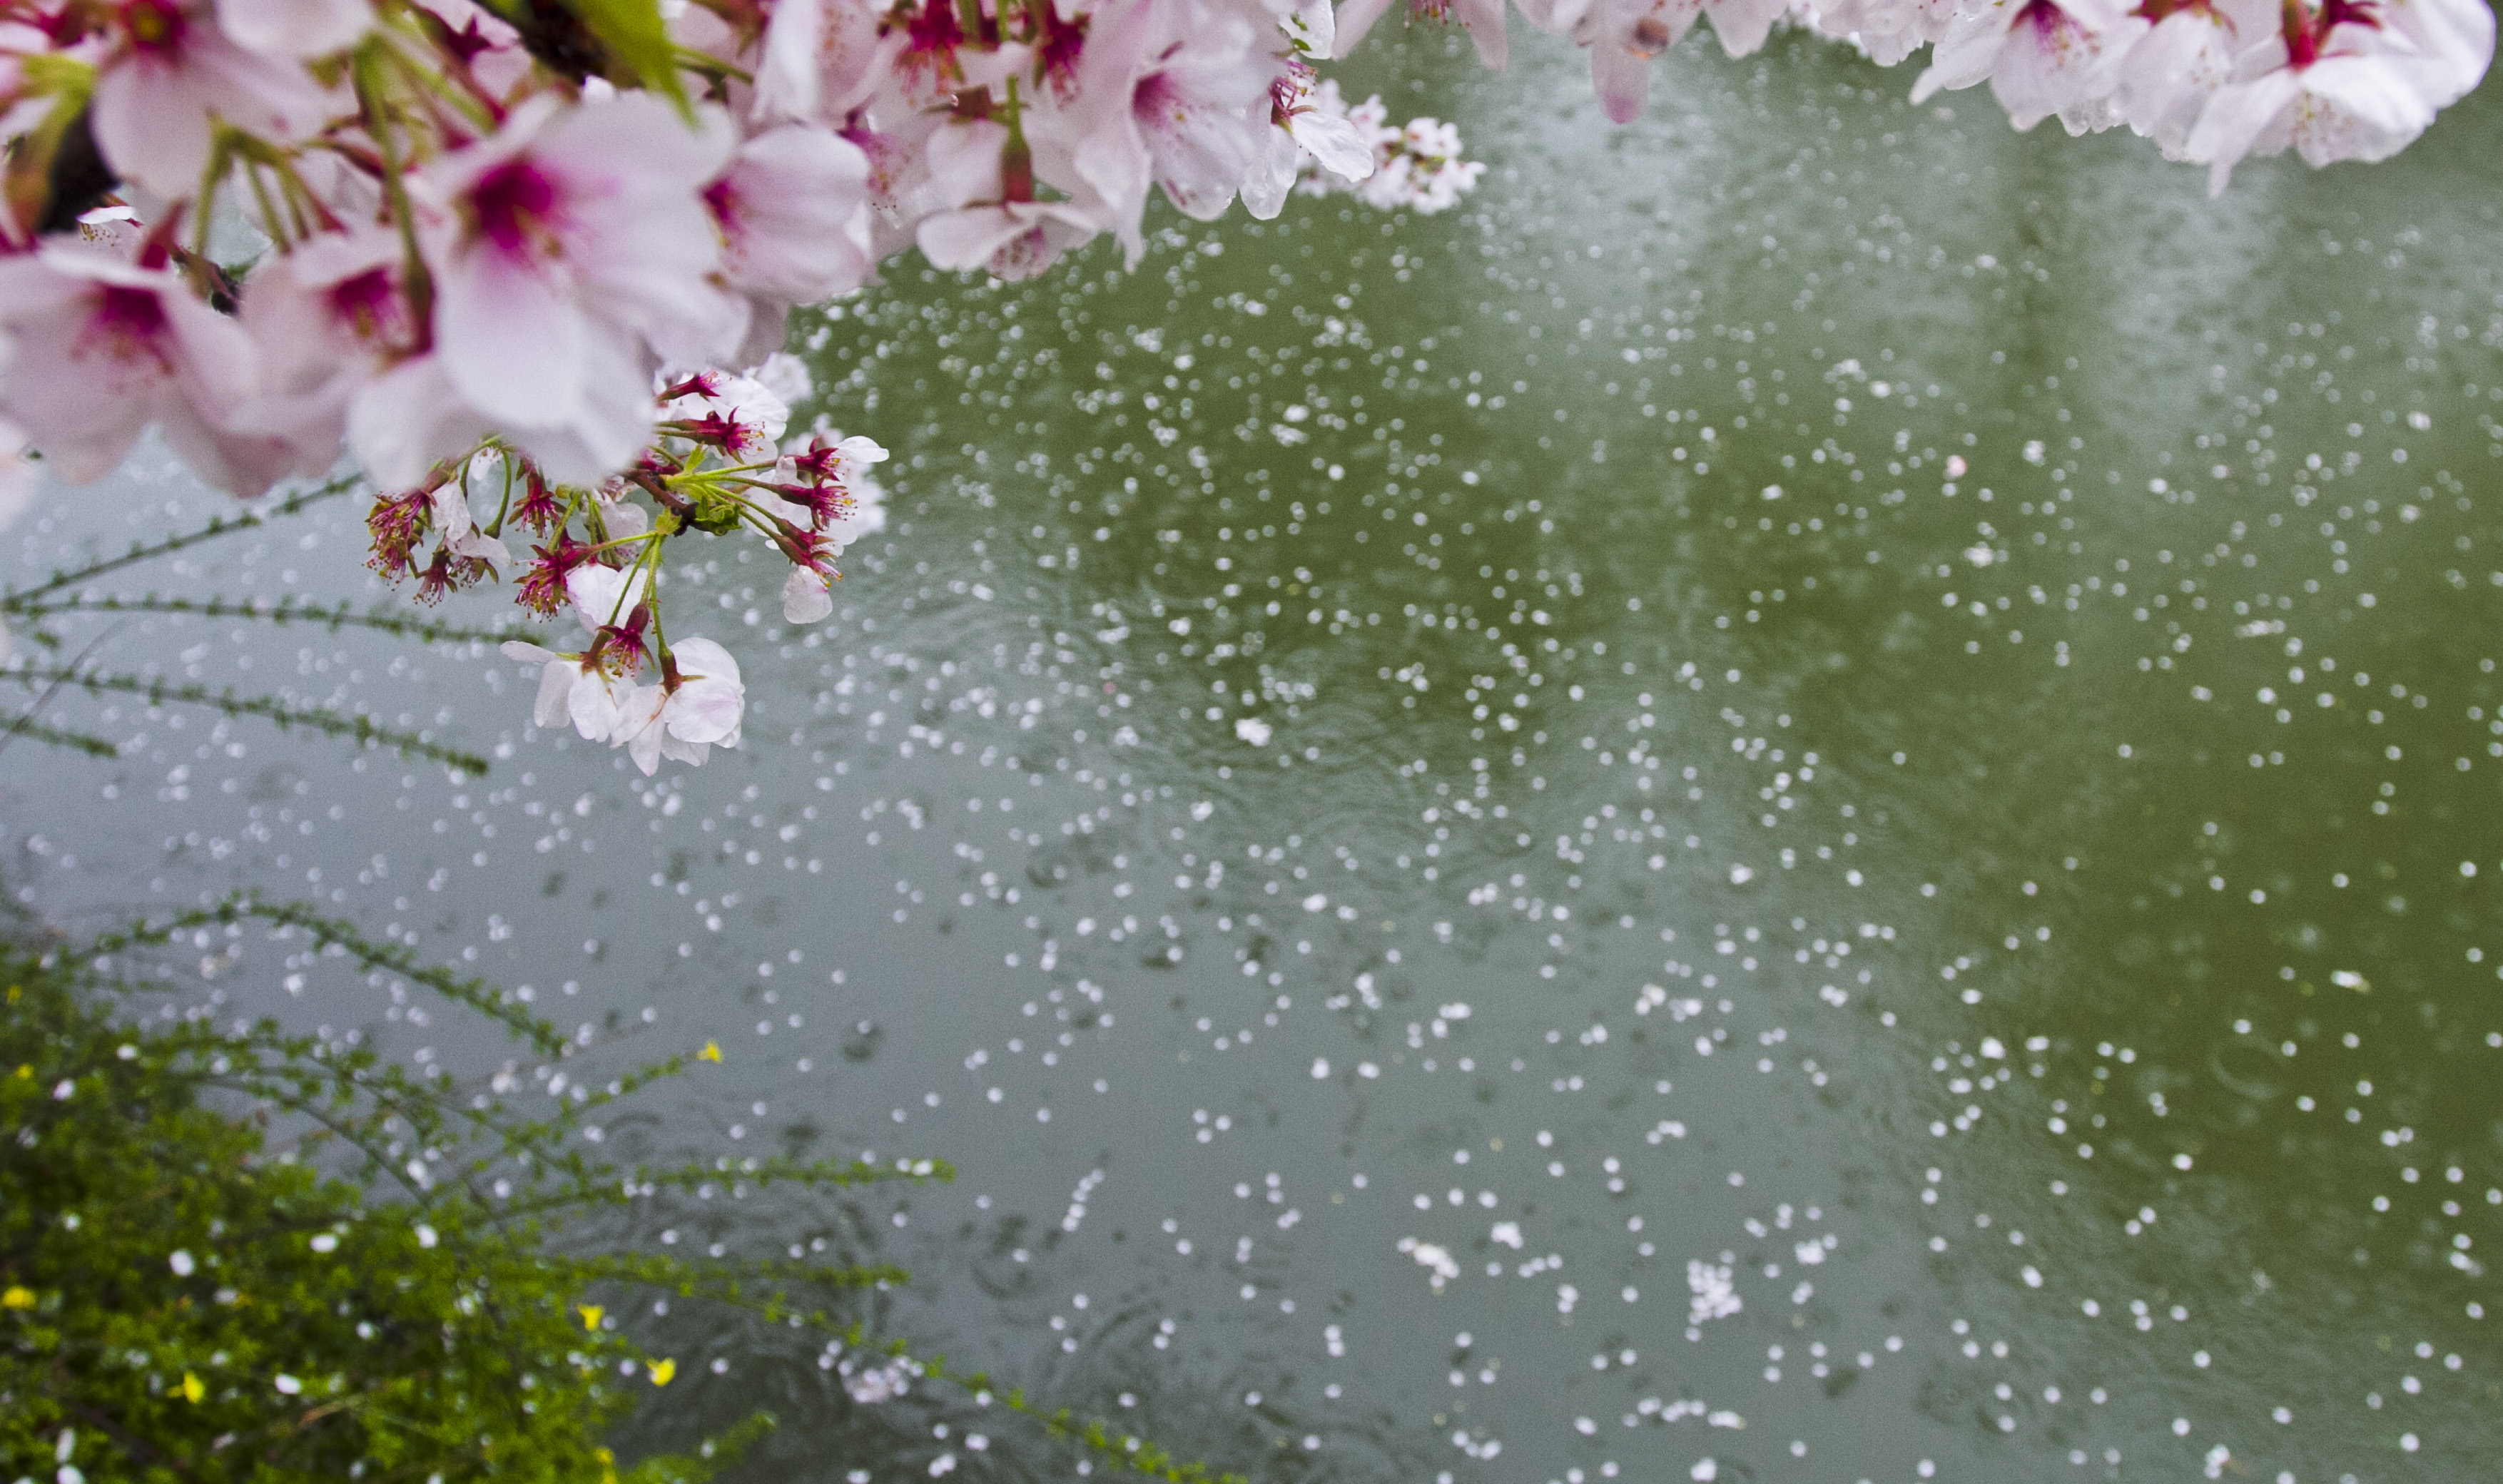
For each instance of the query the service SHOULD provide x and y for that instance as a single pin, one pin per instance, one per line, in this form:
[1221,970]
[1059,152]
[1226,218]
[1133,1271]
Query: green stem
[158,692]
[366,72]
[14,601]
[285,612]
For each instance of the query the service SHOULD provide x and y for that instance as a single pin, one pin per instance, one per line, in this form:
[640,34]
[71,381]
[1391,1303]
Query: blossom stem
[434,87]
[365,71]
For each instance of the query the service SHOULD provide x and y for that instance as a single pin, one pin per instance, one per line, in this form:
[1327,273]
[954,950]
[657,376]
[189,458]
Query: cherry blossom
[562,248]
[604,598]
[1886,31]
[104,349]
[171,73]
[1312,130]
[696,707]
[793,210]
[2170,75]
[327,319]
[740,415]
[2039,56]
[460,534]
[558,676]
[2342,84]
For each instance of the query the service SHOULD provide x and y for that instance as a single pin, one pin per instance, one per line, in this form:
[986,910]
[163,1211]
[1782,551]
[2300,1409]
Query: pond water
[1810,797]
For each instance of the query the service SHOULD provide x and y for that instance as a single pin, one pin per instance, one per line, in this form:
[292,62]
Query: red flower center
[153,25]
[130,325]
[369,305]
[515,208]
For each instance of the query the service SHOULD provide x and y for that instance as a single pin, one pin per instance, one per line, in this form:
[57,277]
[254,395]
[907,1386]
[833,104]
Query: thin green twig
[62,737]
[476,993]
[142,551]
[158,692]
[287,610]
[27,724]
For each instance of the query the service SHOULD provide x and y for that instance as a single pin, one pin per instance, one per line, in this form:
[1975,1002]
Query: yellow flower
[17,1297]
[607,1461]
[193,1390]
[591,1313]
[710,1053]
[663,1370]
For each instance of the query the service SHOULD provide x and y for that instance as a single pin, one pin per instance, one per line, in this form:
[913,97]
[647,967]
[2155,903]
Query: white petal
[482,548]
[804,599]
[293,29]
[603,595]
[1339,146]
[594,707]
[553,705]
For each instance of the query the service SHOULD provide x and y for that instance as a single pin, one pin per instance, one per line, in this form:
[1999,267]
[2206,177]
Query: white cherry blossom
[2039,56]
[2345,87]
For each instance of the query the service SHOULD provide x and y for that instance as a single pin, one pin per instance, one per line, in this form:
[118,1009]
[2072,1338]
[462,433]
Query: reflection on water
[1809,800]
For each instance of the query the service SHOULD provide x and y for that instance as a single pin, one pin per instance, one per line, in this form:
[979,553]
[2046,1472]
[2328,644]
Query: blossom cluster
[2212,82]
[500,253]
[1418,167]
[504,251]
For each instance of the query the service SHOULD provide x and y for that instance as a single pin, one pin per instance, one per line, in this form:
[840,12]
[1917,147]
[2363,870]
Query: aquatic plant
[232,1251]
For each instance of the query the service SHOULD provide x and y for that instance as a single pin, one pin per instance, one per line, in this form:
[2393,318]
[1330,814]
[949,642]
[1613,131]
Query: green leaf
[637,41]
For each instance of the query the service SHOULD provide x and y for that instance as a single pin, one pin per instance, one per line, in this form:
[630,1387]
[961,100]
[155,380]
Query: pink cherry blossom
[597,703]
[974,215]
[104,349]
[568,250]
[172,69]
[636,726]
[460,535]
[1173,94]
[1200,110]
[325,318]
[1014,240]
[738,414]
[1305,128]
[793,210]
[407,419]
[2171,71]
[709,702]
[1483,19]
[1624,37]
[2452,42]
[575,691]
[558,675]
[1887,30]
